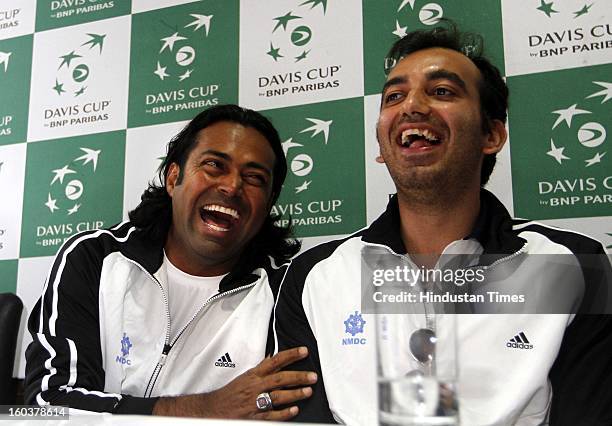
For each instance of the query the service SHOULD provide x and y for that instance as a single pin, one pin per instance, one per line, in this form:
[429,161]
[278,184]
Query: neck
[428,228]
[192,263]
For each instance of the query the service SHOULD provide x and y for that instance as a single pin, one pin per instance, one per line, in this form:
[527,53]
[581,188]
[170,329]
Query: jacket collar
[149,254]
[493,228]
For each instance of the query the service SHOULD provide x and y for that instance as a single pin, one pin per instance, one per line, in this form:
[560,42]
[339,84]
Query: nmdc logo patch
[125,351]
[354,325]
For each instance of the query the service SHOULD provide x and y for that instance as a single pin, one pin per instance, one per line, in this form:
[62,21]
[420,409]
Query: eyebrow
[447,75]
[431,76]
[251,164]
[393,82]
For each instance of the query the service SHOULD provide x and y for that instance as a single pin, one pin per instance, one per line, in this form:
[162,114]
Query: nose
[416,104]
[230,184]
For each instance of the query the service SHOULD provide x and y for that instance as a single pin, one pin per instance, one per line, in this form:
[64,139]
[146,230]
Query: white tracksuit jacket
[101,328]
[566,374]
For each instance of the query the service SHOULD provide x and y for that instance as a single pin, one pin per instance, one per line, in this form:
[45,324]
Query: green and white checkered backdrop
[92,90]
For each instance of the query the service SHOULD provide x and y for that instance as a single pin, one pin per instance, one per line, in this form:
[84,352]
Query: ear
[379,157]
[172,177]
[496,138]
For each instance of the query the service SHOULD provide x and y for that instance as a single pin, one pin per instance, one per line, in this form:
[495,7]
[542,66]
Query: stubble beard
[441,185]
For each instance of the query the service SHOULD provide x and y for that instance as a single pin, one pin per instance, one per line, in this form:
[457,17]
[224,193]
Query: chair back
[10,320]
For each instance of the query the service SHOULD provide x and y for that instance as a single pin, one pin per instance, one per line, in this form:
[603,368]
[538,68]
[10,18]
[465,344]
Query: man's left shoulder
[547,235]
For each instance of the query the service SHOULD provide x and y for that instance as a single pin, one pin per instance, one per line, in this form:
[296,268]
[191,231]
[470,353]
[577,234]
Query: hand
[236,400]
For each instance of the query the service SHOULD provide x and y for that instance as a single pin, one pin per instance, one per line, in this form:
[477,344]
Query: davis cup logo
[177,53]
[66,187]
[302,164]
[577,159]
[568,28]
[292,33]
[324,193]
[591,135]
[428,14]
[73,71]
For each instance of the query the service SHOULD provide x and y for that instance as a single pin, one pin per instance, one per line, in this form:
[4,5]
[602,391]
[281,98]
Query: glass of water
[416,367]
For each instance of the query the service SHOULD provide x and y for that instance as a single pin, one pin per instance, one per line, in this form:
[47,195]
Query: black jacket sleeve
[581,376]
[64,360]
[291,329]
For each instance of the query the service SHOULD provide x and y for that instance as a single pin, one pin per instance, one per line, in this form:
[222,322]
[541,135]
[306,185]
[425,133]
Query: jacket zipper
[503,259]
[428,319]
[167,344]
[167,347]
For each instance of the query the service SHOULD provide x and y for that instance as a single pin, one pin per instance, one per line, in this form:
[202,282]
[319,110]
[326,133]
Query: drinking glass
[416,366]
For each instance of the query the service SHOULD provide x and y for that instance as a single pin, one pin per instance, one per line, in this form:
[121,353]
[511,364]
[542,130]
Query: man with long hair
[169,312]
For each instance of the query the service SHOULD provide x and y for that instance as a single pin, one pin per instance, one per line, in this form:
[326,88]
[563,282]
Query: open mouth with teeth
[219,218]
[419,138]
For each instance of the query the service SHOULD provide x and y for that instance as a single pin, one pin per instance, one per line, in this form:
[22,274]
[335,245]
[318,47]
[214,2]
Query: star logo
[318,127]
[4,59]
[557,153]
[67,59]
[283,21]
[74,209]
[161,71]
[288,144]
[583,11]
[274,52]
[567,115]
[596,159]
[59,87]
[200,21]
[404,3]
[95,40]
[60,173]
[399,30]
[606,93]
[185,75]
[169,41]
[91,156]
[303,187]
[51,204]
[547,8]
[315,3]
[303,55]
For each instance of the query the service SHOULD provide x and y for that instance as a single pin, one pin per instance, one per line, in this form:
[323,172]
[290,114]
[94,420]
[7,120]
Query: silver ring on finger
[264,402]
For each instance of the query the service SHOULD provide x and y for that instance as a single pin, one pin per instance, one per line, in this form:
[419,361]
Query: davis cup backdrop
[91,91]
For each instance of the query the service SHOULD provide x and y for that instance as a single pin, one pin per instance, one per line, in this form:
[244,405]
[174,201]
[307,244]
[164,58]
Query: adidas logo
[519,341]
[225,361]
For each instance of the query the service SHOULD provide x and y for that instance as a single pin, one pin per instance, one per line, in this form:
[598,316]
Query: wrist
[166,406]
